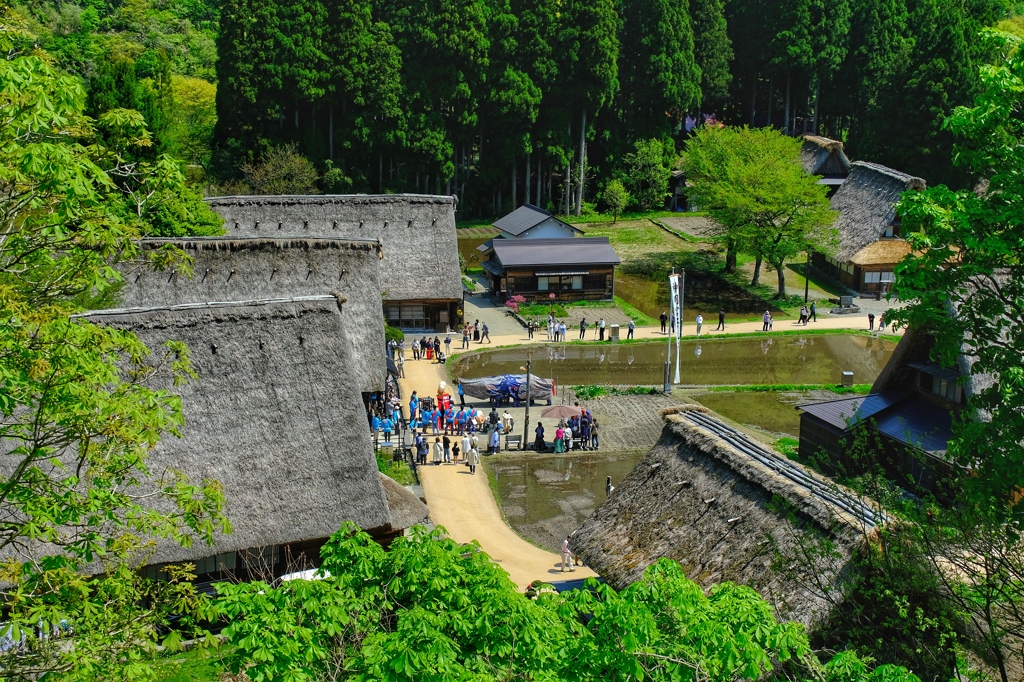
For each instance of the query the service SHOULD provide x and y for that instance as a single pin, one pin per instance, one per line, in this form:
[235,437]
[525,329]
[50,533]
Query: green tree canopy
[752,183]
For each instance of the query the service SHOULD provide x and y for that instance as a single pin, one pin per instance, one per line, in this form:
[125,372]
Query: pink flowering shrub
[514,302]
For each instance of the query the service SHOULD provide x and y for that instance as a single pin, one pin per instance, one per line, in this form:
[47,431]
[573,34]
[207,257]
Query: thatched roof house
[274,419]
[825,158]
[422,285]
[713,501]
[259,268]
[870,244]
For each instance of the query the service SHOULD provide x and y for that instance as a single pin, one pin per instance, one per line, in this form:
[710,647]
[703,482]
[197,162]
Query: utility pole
[526,421]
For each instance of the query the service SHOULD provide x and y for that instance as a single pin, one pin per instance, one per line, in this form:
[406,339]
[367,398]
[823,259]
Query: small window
[542,284]
[888,276]
[577,282]
[872,277]
[889,231]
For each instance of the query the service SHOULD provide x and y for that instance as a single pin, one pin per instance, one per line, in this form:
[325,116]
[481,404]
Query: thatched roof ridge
[866,203]
[417,231]
[273,417]
[697,499]
[822,156]
[256,268]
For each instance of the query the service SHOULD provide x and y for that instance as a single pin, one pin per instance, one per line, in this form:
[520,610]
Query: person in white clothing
[567,555]
[700,322]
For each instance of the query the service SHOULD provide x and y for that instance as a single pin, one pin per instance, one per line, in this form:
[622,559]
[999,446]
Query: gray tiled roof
[555,252]
[525,217]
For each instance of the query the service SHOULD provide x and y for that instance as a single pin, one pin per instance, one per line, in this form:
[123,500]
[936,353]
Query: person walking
[401,349]
[631,328]
[567,555]
[400,363]
[495,440]
[473,459]
[421,449]
[538,444]
[771,321]
[583,328]
[438,451]
[871,322]
[506,421]
[663,318]
[486,334]
[721,321]
[448,344]
[814,312]
[764,319]
[465,337]
[803,315]
[700,323]
[447,443]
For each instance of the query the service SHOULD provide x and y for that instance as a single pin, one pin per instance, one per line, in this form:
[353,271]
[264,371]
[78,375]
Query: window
[542,284]
[888,231]
[888,276]
[577,282]
[872,277]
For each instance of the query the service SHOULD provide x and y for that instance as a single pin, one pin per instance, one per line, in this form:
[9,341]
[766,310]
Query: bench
[514,440]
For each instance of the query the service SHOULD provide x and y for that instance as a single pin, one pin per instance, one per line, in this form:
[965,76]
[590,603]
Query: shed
[272,417]
[581,269]
[259,268]
[870,244]
[721,506]
[531,222]
[423,285]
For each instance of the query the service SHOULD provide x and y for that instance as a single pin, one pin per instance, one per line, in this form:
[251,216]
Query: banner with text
[675,288]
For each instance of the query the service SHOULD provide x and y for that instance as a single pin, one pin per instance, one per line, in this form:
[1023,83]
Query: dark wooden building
[580,269]
[870,244]
[909,416]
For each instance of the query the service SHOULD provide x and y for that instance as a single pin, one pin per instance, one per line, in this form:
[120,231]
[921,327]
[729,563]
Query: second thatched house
[870,244]
[727,509]
[272,417]
[422,284]
[260,268]
[825,158]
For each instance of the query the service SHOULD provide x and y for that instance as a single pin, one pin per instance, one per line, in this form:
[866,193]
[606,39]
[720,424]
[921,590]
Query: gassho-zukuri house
[420,254]
[870,244]
[564,269]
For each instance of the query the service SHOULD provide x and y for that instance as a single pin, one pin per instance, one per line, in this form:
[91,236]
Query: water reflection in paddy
[761,360]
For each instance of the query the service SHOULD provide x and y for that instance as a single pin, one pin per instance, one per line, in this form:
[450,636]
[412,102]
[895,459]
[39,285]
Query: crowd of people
[579,432]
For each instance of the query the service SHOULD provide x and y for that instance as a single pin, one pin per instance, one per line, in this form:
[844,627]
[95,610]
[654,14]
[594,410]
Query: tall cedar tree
[659,76]
[712,49]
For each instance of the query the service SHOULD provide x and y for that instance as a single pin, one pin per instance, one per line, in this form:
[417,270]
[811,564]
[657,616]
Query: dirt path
[464,505]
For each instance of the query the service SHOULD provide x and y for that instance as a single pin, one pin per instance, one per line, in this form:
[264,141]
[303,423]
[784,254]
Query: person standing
[567,555]
[474,459]
[448,344]
[600,329]
[529,330]
[414,406]
[672,324]
[563,331]
[764,319]
[595,441]
[476,330]
[401,349]
[583,328]
[663,318]
[631,328]
[387,426]
[400,363]
[771,321]
[438,451]
[421,449]
[871,322]
[538,444]
[460,421]
[495,440]
[814,312]
[474,443]
[700,323]
[567,435]
[447,443]
[721,321]
[559,439]
[549,329]
[506,421]
[455,452]
[467,446]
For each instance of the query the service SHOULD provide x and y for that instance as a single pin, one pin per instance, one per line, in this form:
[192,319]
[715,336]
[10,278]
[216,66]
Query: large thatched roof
[258,268]
[825,157]
[272,416]
[421,256]
[699,497]
[867,206]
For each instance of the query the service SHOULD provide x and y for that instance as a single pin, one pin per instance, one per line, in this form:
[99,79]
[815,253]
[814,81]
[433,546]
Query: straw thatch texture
[272,416]
[406,509]
[252,268]
[822,156]
[883,252]
[421,257]
[698,500]
[867,205]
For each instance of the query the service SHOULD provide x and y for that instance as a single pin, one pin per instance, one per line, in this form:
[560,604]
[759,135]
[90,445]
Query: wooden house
[530,222]
[825,158]
[580,269]
[870,244]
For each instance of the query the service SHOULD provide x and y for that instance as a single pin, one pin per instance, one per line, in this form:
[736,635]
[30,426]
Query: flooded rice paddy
[544,497]
[762,360]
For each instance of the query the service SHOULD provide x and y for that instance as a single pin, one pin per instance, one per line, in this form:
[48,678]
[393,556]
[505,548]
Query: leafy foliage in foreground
[432,609]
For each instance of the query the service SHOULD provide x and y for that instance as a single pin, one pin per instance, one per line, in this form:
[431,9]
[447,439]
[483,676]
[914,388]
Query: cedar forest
[498,101]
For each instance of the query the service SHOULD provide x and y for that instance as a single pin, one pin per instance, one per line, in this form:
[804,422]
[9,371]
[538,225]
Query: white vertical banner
[675,285]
